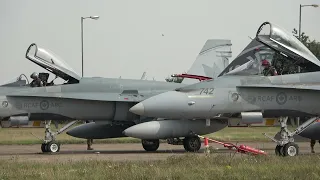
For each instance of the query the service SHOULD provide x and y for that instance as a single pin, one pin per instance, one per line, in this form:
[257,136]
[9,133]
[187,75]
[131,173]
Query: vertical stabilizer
[212,59]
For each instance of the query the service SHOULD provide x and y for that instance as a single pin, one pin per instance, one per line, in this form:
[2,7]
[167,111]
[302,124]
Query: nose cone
[171,104]
[137,109]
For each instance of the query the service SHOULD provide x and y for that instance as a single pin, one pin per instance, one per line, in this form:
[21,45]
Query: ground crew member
[89,141]
[312,143]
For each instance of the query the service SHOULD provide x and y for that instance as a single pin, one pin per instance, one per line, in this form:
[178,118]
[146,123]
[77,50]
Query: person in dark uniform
[89,141]
[312,143]
[268,69]
[36,82]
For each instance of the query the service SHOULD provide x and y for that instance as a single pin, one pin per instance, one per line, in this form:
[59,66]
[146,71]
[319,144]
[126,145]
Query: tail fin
[212,59]
[247,54]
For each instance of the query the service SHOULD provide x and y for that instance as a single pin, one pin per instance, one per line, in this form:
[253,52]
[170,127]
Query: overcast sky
[127,39]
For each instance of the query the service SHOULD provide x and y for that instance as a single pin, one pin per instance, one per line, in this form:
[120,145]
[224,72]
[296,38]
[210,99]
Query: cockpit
[282,54]
[50,62]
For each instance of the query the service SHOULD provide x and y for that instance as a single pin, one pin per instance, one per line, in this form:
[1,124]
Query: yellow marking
[36,123]
[270,122]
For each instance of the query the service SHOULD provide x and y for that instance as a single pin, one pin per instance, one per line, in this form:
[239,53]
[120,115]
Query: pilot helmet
[265,63]
[34,75]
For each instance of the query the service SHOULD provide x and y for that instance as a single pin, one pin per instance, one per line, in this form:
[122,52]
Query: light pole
[82,18]
[305,5]
[313,5]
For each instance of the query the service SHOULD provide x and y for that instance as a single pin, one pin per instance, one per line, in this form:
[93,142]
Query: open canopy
[280,40]
[290,54]
[51,62]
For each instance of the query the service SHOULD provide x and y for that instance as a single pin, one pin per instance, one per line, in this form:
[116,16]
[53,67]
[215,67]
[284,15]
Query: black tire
[192,144]
[53,147]
[282,150]
[43,147]
[291,149]
[150,145]
[277,150]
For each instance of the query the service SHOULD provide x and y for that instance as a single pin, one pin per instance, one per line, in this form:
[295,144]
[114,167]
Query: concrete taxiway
[121,152]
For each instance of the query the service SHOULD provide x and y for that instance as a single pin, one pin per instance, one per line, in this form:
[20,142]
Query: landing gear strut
[285,145]
[49,144]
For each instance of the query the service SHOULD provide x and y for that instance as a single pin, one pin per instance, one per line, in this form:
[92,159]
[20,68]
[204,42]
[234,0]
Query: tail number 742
[206,91]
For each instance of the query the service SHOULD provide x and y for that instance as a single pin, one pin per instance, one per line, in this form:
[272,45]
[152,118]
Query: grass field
[176,167]
[24,135]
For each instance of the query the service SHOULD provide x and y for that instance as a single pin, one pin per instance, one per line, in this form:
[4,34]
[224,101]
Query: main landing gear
[190,144]
[285,145]
[50,144]
[150,145]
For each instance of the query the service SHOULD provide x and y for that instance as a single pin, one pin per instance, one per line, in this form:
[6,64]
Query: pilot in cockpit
[36,82]
[268,69]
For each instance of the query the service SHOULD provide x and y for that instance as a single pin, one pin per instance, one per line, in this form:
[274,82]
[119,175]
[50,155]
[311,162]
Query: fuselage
[223,96]
[87,99]
[6,108]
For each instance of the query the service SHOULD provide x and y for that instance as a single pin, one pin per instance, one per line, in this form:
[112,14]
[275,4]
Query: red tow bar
[241,148]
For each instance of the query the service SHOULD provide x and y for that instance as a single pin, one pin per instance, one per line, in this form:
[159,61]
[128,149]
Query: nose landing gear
[49,144]
[285,145]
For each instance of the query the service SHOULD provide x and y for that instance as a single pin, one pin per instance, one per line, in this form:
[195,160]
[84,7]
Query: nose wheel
[50,147]
[279,150]
[285,145]
[289,149]
[49,144]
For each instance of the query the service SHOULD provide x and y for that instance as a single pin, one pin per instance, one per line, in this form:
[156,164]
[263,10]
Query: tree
[312,45]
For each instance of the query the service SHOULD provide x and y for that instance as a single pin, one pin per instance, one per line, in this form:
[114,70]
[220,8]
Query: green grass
[176,167]
[24,136]
[244,133]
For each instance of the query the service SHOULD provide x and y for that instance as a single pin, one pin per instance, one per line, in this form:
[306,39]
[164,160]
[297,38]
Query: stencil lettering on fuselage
[41,104]
[280,98]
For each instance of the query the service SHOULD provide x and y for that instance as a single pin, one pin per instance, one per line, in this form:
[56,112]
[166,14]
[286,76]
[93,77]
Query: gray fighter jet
[103,100]
[248,93]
